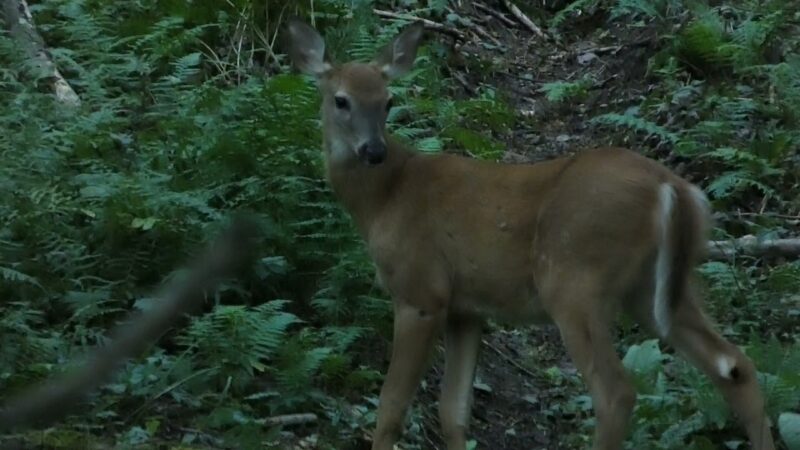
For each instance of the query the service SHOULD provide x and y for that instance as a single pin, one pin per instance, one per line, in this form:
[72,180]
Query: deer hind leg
[589,343]
[730,370]
[462,342]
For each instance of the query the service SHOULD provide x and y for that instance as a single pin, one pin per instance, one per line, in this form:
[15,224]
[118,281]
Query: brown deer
[571,241]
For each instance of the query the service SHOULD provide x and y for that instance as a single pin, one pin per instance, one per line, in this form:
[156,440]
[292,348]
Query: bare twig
[460,78]
[602,83]
[19,22]
[613,49]
[751,246]
[429,24]
[510,360]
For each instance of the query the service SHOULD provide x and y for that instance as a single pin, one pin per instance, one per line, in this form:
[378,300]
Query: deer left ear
[397,58]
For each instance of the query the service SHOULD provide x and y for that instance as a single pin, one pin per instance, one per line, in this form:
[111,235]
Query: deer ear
[397,58]
[306,48]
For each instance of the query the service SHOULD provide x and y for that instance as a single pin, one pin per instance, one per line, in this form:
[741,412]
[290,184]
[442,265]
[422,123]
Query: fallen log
[18,20]
[752,246]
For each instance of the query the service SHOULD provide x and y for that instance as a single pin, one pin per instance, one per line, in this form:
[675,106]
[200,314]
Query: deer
[574,241]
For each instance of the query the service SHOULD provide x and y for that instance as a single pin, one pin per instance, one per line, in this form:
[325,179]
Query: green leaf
[144,224]
[644,358]
[789,426]
[136,436]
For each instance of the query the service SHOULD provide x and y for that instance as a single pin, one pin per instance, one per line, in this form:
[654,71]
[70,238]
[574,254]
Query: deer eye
[389,105]
[341,102]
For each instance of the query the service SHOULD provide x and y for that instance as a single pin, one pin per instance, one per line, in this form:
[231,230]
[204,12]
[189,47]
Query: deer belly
[509,303]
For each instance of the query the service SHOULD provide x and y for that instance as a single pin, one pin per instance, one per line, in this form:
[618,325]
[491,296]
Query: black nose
[372,153]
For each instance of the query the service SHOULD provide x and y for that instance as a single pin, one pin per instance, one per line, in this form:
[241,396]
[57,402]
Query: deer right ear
[306,48]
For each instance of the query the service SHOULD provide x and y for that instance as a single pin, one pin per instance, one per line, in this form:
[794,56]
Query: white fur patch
[724,365]
[339,150]
[666,201]
[700,199]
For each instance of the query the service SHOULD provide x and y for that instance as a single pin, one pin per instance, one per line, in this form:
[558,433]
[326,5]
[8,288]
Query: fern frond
[637,124]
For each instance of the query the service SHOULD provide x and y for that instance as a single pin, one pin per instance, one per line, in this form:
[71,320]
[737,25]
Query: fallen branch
[524,19]
[427,23]
[290,419]
[614,49]
[751,246]
[495,13]
[485,34]
[19,21]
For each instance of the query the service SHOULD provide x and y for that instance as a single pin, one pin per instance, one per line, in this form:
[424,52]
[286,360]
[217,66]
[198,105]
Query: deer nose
[372,152]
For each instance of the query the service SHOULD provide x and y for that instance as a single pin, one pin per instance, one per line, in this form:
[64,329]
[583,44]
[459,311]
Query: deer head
[355,98]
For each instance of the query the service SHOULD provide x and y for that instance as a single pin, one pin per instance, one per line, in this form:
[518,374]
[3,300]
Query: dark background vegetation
[189,112]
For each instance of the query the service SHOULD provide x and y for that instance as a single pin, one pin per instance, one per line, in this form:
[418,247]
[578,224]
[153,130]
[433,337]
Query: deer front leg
[415,331]
[462,342]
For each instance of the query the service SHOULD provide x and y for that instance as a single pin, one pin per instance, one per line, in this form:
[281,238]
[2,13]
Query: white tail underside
[666,201]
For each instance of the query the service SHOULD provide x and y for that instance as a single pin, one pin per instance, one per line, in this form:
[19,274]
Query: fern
[735,181]
[636,124]
[11,275]
[185,67]
[239,340]
[27,349]
[635,8]
[560,91]
[647,9]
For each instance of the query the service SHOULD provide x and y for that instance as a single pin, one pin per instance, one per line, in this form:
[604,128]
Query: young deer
[572,241]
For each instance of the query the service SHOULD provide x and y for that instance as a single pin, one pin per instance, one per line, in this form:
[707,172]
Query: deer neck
[365,190]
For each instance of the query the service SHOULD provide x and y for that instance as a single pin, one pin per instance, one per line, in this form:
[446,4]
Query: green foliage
[562,91]
[646,9]
[573,8]
[738,128]
[238,341]
[630,120]
[789,426]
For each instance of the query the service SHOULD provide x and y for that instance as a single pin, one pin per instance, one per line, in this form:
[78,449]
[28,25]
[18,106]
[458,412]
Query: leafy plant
[563,91]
